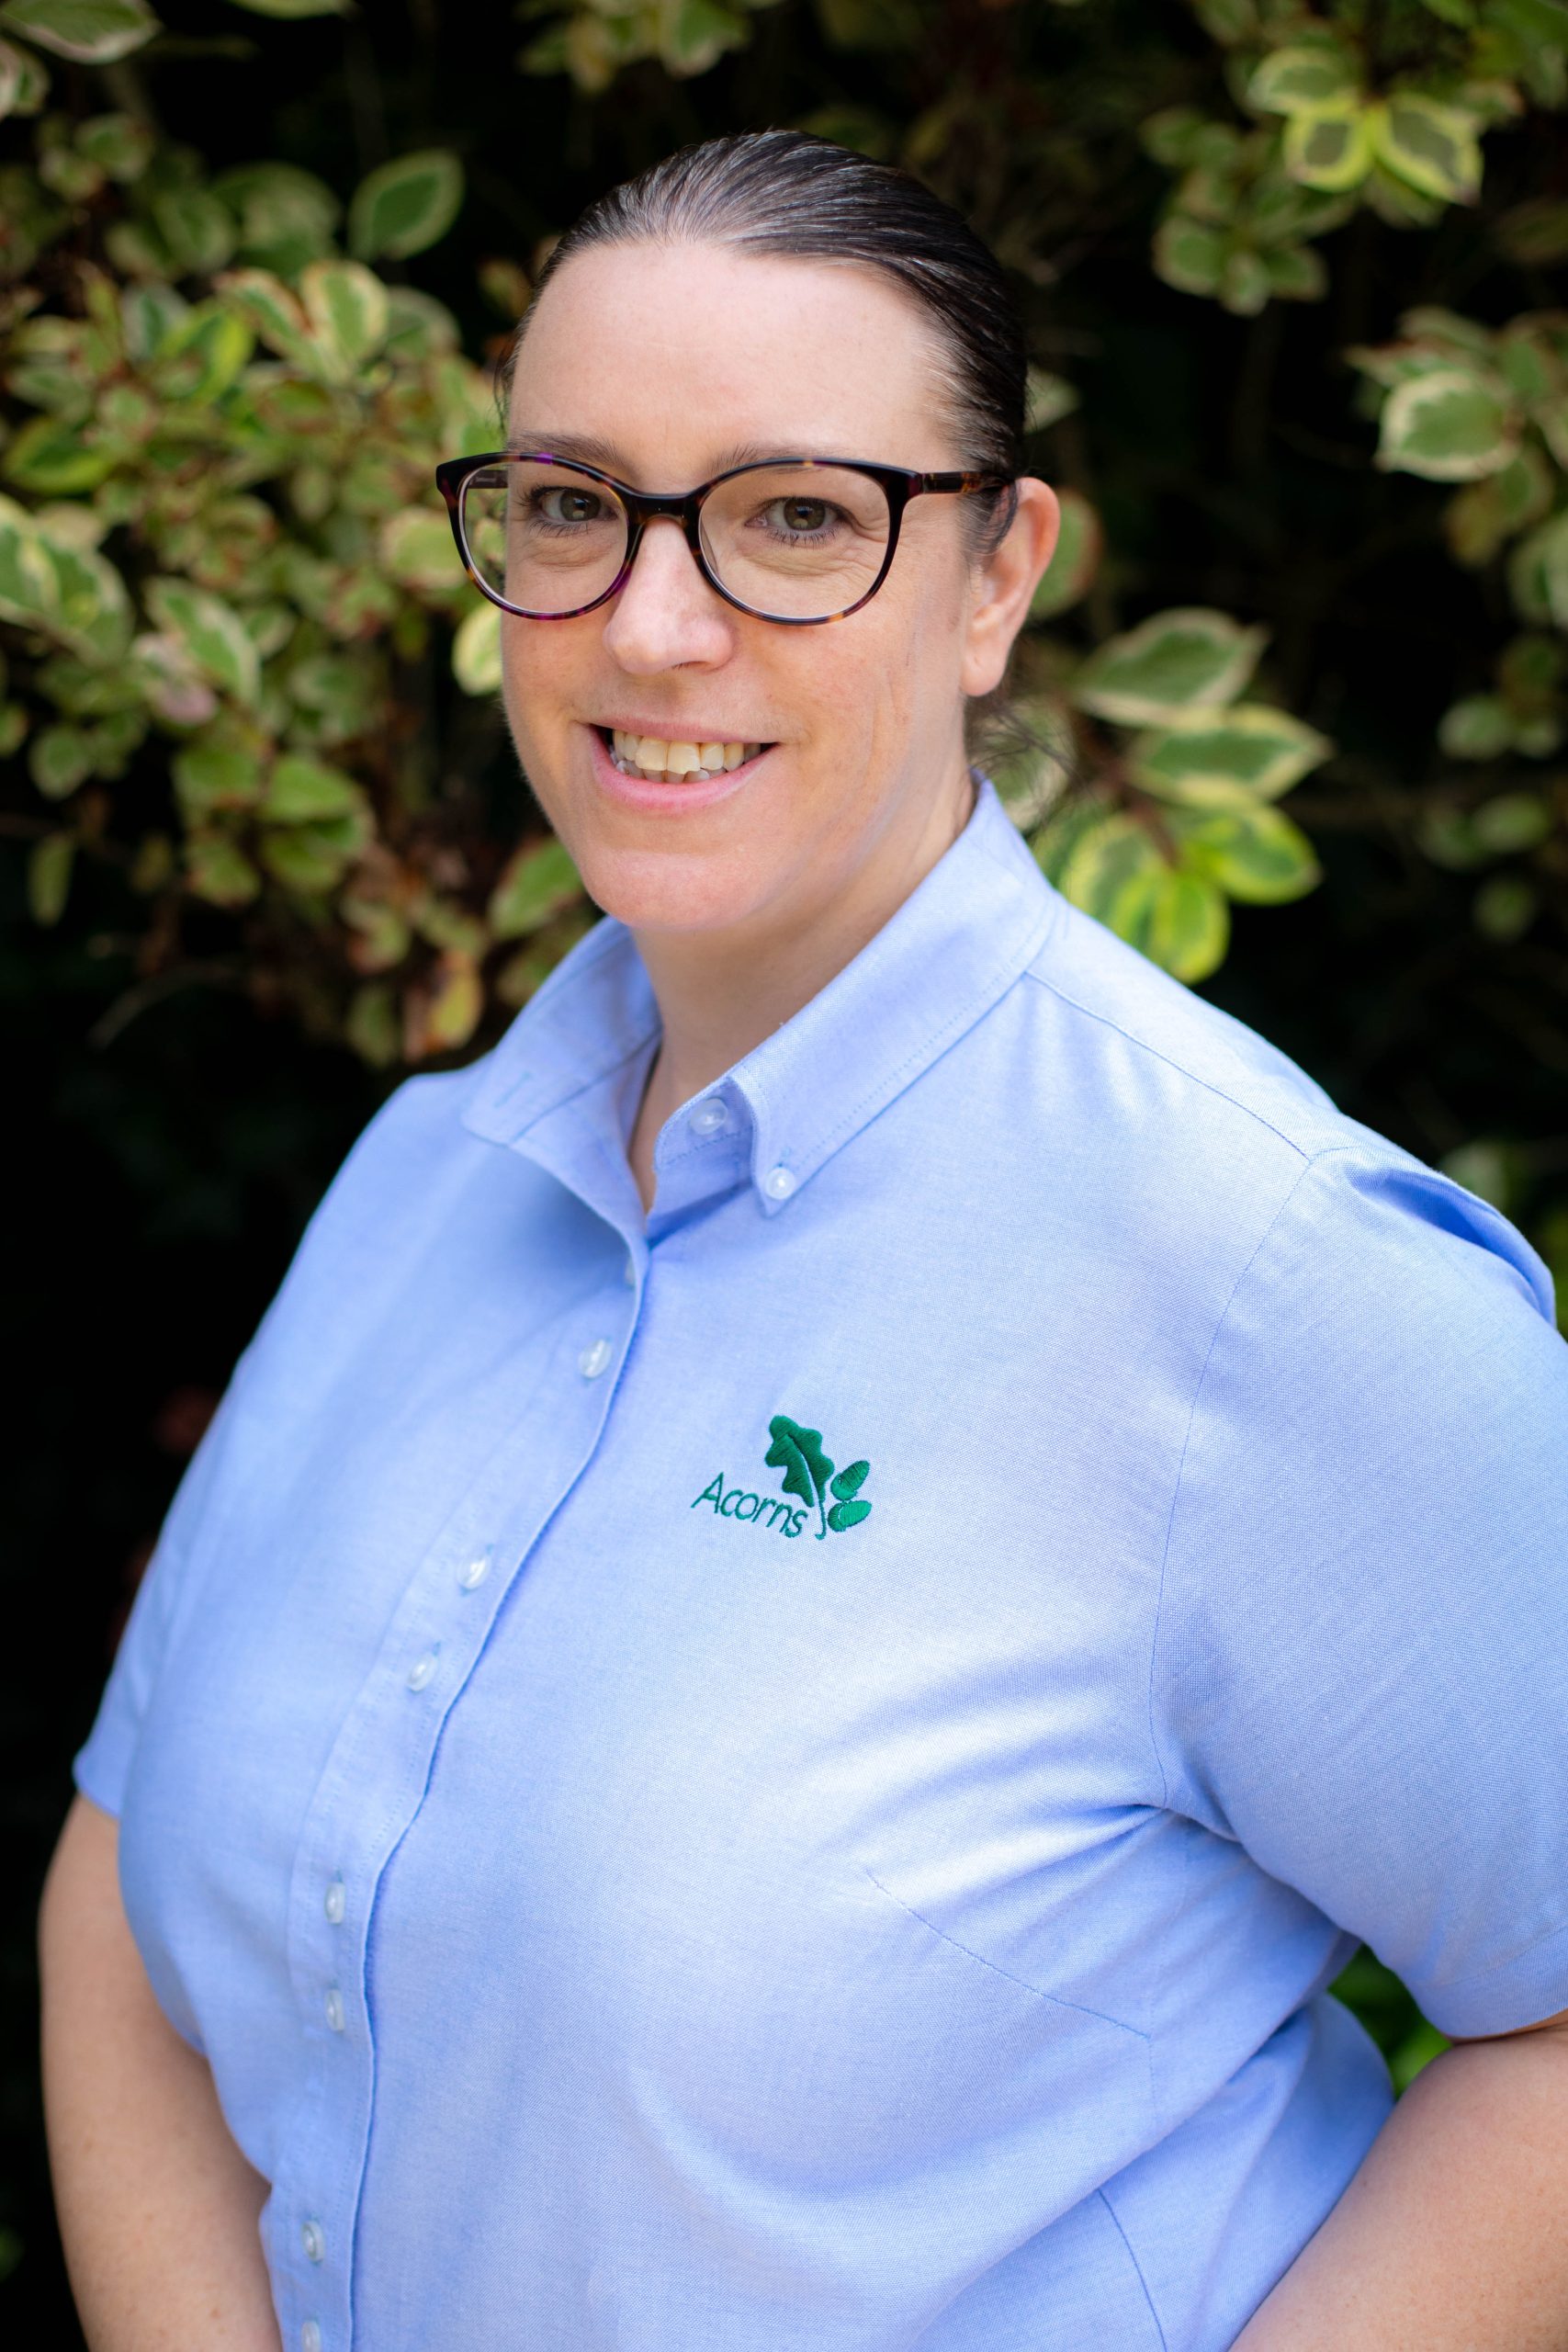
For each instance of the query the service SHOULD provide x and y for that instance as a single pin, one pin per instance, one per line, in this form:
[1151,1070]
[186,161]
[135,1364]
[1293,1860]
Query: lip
[670,730]
[665,799]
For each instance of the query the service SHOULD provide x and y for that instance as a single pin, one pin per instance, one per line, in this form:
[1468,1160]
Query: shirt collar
[559,1081]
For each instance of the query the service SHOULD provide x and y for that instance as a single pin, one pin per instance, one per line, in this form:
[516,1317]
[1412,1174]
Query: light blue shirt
[791,1780]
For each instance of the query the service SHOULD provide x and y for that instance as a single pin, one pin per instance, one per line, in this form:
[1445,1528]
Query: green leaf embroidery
[798,1453]
[844,1515]
[848,1482]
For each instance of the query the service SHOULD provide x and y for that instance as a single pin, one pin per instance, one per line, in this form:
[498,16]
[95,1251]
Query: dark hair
[786,192]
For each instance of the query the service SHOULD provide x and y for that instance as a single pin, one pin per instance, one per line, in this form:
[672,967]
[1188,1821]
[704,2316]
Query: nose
[666,617]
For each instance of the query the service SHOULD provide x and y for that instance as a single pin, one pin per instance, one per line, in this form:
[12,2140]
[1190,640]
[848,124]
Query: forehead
[675,357]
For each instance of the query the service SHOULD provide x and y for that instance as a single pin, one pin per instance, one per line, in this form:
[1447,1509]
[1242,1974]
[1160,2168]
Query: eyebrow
[591,451]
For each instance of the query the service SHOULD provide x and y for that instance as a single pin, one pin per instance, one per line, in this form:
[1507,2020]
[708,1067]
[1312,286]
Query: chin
[668,890]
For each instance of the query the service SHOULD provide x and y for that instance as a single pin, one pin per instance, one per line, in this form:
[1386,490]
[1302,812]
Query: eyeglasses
[798,540]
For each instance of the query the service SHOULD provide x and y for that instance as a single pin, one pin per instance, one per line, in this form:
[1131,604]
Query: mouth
[656,759]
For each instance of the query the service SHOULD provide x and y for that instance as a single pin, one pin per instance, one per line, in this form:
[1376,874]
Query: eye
[802,514]
[569,506]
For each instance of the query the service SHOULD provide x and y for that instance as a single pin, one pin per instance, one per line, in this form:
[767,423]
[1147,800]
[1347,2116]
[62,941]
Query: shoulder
[1116,1006]
[1272,1176]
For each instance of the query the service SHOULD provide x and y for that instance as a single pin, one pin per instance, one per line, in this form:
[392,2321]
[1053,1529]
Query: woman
[841,1581]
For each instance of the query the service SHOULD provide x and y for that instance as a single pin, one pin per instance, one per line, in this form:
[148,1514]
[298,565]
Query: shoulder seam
[1332,1151]
[1247,1111]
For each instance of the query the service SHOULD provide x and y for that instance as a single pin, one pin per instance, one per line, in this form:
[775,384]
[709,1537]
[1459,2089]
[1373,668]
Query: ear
[1003,584]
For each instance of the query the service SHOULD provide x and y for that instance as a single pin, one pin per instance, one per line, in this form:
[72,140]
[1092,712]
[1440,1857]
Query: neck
[720,994]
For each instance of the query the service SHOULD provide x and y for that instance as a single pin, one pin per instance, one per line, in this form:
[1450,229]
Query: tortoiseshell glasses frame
[898,485]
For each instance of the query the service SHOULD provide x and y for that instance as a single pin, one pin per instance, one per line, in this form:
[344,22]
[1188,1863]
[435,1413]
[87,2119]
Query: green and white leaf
[58,759]
[1449,424]
[1537,573]
[1190,255]
[1050,399]
[120,144]
[405,206]
[1477,726]
[538,882]
[285,217]
[212,773]
[1432,147]
[57,459]
[1255,855]
[1329,147]
[306,792]
[1075,561]
[1172,662]
[272,310]
[198,232]
[1304,76]
[476,651]
[1248,753]
[89,33]
[1103,860]
[417,549]
[211,631]
[1180,920]
[346,306]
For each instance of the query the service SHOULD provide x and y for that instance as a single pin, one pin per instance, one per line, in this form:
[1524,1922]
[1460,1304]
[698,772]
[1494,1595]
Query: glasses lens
[798,542]
[545,538]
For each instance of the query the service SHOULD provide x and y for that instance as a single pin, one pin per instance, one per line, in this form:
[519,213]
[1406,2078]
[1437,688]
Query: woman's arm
[158,2209]
[1453,2236]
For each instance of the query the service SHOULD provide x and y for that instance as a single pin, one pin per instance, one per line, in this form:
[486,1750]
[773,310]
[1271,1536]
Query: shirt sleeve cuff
[1522,1992]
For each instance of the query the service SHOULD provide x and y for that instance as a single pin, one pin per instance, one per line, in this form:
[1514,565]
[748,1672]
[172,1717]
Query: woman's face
[664,365]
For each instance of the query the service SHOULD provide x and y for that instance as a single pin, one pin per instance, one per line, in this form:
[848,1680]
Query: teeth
[652,756]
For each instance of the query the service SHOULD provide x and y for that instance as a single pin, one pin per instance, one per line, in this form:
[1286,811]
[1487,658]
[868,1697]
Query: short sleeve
[349,1244]
[101,1767]
[1361,1661]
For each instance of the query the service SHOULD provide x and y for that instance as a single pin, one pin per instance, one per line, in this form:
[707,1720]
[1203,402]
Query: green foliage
[223,566]
[1176,822]
[219,552]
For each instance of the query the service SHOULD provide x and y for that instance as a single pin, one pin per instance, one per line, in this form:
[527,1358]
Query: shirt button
[334,1903]
[336,2014]
[475,1573]
[710,1118]
[313,2241]
[421,1673]
[309,2337]
[778,1183]
[594,1360]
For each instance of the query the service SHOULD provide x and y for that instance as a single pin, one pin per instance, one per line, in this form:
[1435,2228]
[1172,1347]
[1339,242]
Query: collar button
[778,1183]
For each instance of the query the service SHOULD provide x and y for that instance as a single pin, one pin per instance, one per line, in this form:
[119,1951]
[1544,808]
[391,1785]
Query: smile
[659,761]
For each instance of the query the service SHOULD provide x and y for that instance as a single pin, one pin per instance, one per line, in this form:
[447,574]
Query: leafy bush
[229,594]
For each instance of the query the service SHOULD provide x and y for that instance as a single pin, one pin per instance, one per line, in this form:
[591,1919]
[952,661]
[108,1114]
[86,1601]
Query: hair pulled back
[786,192]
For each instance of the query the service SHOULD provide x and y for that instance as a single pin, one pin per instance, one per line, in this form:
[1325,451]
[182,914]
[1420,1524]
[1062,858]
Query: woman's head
[754,298]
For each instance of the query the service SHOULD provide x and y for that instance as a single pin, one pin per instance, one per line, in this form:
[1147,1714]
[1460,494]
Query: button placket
[370,1792]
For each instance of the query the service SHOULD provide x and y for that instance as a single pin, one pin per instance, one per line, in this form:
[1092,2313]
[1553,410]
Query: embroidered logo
[809,1473]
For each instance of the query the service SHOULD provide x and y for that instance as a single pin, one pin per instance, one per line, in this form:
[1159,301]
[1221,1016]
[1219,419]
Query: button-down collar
[562,1085]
